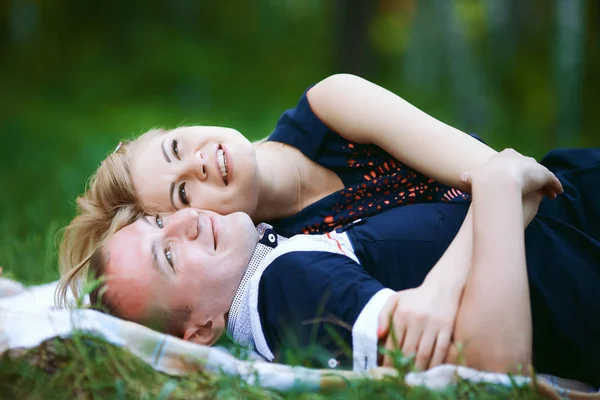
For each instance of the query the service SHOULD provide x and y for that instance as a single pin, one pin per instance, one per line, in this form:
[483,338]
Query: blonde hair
[109,204]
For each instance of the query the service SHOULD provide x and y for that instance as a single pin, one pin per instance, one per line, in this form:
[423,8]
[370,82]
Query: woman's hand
[525,171]
[531,203]
[422,320]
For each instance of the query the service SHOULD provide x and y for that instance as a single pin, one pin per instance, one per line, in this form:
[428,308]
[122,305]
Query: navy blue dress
[374,180]
[308,300]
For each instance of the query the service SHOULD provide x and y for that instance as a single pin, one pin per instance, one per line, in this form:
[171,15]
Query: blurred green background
[77,76]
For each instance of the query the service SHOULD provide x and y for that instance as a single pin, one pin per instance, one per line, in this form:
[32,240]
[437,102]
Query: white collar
[238,321]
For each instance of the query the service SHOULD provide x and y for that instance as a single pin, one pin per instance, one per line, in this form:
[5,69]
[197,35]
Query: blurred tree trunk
[503,30]
[23,19]
[466,79]
[353,52]
[440,56]
[568,58]
[424,56]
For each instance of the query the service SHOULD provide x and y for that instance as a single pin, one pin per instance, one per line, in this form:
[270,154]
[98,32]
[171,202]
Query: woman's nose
[184,223]
[197,166]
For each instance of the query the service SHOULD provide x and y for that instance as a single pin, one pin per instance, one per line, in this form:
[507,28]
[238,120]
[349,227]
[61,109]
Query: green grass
[85,367]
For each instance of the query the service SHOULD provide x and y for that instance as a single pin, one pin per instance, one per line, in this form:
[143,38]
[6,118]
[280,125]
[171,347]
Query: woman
[345,152]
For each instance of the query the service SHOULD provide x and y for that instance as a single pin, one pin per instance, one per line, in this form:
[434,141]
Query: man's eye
[159,221]
[183,195]
[175,149]
[169,257]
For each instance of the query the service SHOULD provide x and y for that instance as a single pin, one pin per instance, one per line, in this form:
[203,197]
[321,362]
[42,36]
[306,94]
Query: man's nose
[183,224]
[197,166]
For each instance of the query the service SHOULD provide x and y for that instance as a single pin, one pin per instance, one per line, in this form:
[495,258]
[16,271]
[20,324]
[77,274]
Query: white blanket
[33,307]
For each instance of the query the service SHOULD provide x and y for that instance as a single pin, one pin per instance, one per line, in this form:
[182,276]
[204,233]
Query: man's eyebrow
[155,262]
[153,250]
[162,147]
[146,221]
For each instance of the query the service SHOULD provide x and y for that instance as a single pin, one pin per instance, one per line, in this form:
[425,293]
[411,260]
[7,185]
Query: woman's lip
[218,169]
[228,163]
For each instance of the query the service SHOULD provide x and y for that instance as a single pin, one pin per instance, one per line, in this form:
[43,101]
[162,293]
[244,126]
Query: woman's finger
[466,178]
[556,184]
[385,316]
[425,349]
[414,331]
[553,187]
[442,345]
[549,192]
[392,343]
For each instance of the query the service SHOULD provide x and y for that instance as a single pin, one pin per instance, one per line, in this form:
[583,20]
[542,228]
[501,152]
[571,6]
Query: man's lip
[199,226]
[214,231]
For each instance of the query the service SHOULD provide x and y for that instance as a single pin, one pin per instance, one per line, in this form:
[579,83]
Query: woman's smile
[198,170]
[222,164]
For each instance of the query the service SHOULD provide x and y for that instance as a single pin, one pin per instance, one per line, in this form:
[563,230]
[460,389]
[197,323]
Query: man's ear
[206,333]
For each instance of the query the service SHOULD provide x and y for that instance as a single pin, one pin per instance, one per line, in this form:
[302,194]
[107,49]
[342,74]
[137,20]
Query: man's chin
[242,222]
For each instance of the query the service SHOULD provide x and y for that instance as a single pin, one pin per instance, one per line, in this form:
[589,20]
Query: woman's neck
[280,182]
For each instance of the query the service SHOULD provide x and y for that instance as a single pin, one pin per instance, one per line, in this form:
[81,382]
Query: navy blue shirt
[308,301]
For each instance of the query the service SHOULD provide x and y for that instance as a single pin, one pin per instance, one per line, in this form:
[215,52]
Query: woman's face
[203,167]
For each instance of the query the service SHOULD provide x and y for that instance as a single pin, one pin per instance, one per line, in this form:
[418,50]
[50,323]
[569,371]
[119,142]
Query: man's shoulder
[302,261]
[315,246]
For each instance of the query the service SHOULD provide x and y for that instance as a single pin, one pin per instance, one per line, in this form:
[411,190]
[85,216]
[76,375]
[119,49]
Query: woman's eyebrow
[171,190]
[162,147]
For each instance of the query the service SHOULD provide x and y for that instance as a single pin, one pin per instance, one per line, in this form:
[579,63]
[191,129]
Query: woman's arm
[422,319]
[366,113]
[494,319]
[427,314]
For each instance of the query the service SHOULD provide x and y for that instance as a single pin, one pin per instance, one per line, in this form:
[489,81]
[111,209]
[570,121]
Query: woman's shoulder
[300,127]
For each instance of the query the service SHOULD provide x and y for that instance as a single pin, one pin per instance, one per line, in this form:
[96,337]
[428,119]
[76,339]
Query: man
[197,274]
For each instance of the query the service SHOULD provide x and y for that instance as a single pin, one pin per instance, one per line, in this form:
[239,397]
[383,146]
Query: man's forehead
[130,244]
[130,274]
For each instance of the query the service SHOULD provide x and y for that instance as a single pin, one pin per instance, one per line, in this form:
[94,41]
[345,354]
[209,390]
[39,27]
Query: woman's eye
[159,221]
[175,149]
[183,195]
[169,257]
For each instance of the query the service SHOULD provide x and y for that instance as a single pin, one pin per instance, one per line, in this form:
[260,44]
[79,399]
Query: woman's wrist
[448,281]
[497,179]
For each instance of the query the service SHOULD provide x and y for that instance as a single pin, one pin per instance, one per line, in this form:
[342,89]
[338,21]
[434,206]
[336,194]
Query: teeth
[222,163]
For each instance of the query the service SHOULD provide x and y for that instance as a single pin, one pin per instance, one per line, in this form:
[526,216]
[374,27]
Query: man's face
[192,260]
